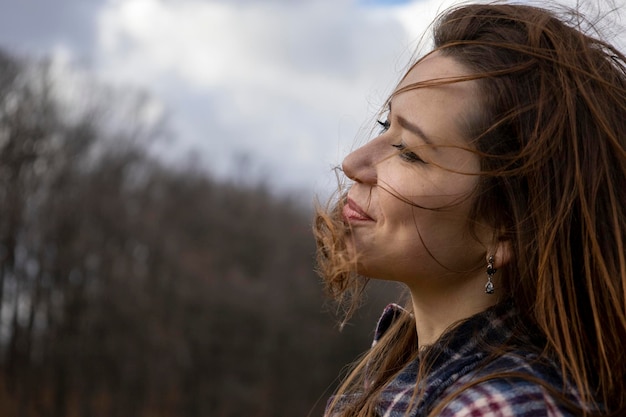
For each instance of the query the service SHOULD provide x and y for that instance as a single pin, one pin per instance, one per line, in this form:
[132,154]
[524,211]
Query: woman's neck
[436,309]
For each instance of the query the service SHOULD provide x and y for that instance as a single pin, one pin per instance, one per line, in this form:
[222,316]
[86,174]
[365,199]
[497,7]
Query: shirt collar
[457,351]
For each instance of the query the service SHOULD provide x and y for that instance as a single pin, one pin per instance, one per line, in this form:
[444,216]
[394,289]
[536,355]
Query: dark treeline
[131,289]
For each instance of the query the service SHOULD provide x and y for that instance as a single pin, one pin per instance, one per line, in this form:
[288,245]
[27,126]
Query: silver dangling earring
[490,272]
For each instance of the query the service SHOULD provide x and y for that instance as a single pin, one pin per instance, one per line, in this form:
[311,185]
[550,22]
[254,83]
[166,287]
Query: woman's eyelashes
[407,155]
[385,124]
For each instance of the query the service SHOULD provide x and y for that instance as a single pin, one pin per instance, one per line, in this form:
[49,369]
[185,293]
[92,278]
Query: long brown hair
[552,142]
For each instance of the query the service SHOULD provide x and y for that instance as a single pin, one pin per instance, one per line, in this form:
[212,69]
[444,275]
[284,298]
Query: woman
[496,191]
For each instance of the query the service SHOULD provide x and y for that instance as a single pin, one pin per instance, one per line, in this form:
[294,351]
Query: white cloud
[284,83]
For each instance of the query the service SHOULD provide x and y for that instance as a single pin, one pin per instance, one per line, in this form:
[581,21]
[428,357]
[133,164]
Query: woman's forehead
[434,66]
[443,108]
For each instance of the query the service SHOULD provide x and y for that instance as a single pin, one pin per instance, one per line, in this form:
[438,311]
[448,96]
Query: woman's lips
[352,212]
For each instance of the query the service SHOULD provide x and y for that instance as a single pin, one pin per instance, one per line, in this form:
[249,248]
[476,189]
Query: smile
[353,213]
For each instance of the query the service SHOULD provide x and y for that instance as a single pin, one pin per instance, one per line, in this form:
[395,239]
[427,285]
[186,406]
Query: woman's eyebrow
[412,127]
[415,129]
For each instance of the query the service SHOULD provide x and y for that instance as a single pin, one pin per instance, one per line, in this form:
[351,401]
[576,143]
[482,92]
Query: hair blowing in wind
[551,138]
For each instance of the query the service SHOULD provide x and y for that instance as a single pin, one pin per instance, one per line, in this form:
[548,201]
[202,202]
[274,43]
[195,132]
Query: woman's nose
[360,165]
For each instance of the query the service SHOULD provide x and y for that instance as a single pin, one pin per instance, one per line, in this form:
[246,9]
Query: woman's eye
[385,124]
[406,154]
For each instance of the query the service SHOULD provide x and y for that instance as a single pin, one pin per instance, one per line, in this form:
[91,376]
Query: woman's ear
[502,253]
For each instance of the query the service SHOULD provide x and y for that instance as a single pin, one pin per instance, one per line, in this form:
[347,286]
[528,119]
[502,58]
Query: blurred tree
[128,288]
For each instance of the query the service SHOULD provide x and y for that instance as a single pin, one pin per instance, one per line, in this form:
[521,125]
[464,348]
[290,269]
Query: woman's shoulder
[519,383]
[503,397]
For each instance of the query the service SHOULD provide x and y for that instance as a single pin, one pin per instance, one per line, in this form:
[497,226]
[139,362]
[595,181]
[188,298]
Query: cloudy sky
[279,89]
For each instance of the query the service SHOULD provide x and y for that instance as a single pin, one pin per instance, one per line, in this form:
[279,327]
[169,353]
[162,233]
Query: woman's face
[418,160]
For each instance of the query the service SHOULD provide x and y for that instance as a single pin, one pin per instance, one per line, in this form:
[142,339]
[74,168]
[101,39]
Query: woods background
[131,288]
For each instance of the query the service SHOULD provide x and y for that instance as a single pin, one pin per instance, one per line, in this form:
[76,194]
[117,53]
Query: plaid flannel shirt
[461,356]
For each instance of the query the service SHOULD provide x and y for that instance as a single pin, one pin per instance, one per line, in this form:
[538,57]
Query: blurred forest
[129,288]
